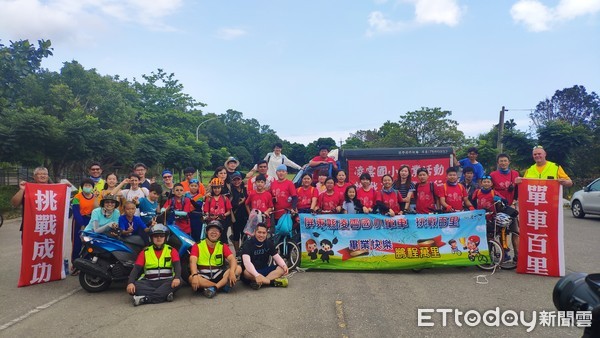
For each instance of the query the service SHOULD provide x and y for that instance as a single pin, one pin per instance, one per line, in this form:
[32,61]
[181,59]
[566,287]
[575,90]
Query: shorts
[216,277]
[514,226]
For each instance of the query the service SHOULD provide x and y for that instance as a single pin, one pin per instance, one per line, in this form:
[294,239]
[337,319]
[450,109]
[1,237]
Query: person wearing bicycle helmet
[208,272]
[160,270]
[218,207]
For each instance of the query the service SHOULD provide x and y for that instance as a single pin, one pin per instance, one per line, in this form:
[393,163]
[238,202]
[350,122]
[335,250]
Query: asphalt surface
[316,303]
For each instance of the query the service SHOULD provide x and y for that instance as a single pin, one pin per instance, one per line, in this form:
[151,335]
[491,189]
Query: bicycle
[287,242]
[498,243]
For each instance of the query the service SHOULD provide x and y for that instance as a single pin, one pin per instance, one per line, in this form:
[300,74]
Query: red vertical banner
[541,227]
[45,227]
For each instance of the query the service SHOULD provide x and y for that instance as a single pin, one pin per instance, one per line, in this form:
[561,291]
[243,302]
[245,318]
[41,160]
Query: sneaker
[209,292]
[255,285]
[139,300]
[226,288]
[170,297]
[281,282]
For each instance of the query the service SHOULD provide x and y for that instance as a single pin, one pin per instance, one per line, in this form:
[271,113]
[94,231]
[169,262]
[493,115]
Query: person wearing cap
[106,217]
[275,159]
[231,165]
[208,272]
[140,169]
[425,193]
[239,213]
[545,169]
[160,269]
[284,193]
[189,175]
[167,187]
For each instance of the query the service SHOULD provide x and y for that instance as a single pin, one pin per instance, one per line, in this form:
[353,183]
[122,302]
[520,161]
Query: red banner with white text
[378,168]
[45,230]
[541,226]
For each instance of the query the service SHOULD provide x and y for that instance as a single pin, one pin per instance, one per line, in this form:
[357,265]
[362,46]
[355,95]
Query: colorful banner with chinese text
[378,168]
[45,227]
[376,242]
[541,227]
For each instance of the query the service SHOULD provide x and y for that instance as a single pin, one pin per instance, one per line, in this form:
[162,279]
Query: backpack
[282,158]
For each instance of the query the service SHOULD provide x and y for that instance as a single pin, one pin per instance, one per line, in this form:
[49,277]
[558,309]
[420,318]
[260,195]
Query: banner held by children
[376,242]
[45,229]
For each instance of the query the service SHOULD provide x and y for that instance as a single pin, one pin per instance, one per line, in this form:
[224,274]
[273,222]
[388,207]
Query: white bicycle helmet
[503,220]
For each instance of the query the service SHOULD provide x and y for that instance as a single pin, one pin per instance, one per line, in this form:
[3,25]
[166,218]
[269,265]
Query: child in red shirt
[366,194]
[329,202]
[307,195]
[425,193]
[181,206]
[453,196]
[284,193]
[260,199]
[389,198]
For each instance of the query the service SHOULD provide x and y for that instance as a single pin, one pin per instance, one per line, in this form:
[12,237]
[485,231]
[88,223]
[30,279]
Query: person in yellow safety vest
[545,169]
[161,268]
[208,272]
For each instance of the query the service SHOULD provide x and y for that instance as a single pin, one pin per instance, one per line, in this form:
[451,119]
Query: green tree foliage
[432,127]
[572,105]
[560,140]
[312,149]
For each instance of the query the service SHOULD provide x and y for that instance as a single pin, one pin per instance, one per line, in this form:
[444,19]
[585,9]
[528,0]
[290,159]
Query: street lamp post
[197,139]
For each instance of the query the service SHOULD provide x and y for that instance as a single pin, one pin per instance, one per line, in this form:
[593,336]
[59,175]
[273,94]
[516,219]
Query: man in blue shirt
[471,161]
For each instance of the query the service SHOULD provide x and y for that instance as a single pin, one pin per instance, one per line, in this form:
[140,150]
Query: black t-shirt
[259,252]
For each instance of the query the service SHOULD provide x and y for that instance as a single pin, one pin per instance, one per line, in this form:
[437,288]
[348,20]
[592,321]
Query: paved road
[316,304]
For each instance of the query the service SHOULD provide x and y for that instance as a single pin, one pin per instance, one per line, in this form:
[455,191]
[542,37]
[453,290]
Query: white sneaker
[139,300]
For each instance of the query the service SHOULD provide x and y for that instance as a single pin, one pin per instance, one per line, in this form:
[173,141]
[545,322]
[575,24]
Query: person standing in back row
[276,158]
[545,169]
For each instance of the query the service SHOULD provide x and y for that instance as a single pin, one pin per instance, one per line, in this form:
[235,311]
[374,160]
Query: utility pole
[501,129]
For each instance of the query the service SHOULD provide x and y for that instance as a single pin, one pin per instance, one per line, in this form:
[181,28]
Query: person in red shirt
[426,200]
[366,194]
[284,193]
[262,167]
[218,207]
[161,271]
[260,199]
[307,195]
[181,207]
[453,196]
[483,198]
[504,180]
[341,184]
[189,175]
[322,160]
[329,202]
[389,198]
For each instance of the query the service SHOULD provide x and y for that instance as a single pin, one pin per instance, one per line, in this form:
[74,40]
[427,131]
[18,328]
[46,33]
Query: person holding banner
[82,206]
[40,176]
[389,200]
[161,268]
[106,217]
[425,196]
[329,202]
[546,169]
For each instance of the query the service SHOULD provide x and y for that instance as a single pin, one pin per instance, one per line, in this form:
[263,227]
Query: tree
[431,127]
[560,139]
[572,105]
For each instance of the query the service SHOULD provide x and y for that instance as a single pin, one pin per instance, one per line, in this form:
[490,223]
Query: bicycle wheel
[496,256]
[290,254]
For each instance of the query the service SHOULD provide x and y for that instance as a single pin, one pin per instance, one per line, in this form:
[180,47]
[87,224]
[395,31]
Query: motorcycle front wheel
[92,283]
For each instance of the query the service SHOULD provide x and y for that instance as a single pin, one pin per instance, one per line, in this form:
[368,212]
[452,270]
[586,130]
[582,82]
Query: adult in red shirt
[307,195]
[284,193]
[504,180]
[425,197]
[329,202]
[162,271]
[366,193]
[341,184]
[453,196]
[322,160]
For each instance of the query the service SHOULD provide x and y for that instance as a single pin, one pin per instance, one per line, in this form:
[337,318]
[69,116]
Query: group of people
[138,205]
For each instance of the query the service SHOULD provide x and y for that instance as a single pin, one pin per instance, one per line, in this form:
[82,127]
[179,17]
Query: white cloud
[538,17]
[444,12]
[231,33]
[77,20]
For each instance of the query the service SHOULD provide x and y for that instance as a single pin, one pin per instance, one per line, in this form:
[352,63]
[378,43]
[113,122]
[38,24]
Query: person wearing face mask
[82,206]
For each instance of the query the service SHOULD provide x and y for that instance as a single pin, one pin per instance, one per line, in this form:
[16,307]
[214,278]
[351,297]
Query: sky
[312,69]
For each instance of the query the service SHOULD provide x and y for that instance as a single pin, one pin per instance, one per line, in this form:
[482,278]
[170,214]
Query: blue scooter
[105,259]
